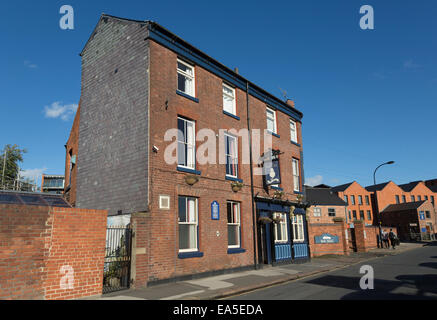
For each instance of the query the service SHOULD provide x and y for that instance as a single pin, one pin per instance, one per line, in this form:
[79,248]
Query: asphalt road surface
[409,275]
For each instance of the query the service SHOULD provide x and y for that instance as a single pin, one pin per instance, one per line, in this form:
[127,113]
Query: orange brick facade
[359,203]
[39,246]
[392,193]
[160,259]
[72,148]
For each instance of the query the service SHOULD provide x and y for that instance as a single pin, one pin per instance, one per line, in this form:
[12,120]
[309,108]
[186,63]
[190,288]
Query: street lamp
[374,196]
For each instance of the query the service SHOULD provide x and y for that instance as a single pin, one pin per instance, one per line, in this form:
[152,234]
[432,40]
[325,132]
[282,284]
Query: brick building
[325,205]
[71,148]
[389,194]
[413,220]
[358,201]
[139,80]
[51,183]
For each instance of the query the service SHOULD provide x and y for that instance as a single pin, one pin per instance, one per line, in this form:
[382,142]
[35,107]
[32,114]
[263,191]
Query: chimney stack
[290,103]
[236,71]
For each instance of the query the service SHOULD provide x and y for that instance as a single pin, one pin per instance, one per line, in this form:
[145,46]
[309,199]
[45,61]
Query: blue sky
[368,96]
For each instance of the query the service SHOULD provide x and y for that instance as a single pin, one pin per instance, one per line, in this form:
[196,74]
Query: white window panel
[293,131]
[188,224]
[186,78]
[234,226]
[231,145]
[271,120]
[229,103]
[296,175]
[281,232]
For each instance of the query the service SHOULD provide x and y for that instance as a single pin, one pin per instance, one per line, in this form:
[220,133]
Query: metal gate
[116,273]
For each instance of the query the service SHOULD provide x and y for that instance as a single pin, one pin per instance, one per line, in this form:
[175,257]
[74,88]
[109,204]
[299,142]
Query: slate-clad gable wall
[113,147]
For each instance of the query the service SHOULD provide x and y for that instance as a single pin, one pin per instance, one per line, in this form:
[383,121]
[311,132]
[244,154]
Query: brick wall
[71,149]
[336,229]
[36,242]
[325,218]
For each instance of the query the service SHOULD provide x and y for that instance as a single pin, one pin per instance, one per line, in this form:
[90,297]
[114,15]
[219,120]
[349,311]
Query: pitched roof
[407,187]
[342,187]
[323,196]
[322,186]
[33,199]
[377,187]
[403,206]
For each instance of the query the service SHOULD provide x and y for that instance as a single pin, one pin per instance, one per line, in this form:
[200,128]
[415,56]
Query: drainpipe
[254,226]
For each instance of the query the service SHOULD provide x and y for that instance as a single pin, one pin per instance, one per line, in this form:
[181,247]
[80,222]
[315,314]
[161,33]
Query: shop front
[282,232]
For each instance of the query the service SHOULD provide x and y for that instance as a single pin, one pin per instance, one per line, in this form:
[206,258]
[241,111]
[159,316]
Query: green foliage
[10,158]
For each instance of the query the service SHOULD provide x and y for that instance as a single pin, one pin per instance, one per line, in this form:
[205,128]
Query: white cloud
[32,174]
[314,181]
[409,64]
[30,65]
[57,110]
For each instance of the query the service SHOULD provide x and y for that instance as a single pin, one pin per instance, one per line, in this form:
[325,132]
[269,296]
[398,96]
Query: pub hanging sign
[271,169]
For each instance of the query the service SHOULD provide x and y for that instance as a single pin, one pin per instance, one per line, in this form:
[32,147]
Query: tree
[9,165]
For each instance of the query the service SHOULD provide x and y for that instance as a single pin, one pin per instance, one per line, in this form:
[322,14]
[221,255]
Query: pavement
[228,285]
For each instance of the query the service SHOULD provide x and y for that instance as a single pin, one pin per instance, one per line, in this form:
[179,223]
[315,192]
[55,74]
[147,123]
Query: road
[409,275]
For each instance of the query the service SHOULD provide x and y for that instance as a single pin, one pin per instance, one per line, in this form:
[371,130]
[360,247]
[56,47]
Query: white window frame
[271,118]
[296,175]
[282,227]
[233,97]
[298,228]
[187,75]
[189,145]
[194,223]
[293,131]
[235,223]
[318,213]
[235,157]
[360,200]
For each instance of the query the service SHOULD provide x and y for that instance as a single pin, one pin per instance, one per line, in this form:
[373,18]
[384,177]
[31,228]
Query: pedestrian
[386,241]
[392,238]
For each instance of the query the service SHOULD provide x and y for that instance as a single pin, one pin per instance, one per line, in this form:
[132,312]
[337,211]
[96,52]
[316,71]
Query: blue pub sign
[215,211]
[271,169]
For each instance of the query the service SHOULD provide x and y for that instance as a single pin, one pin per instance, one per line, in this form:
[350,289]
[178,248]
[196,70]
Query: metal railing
[116,273]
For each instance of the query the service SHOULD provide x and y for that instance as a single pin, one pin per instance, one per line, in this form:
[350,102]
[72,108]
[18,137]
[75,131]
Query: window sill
[295,143]
[188,255]
[233,179]
[183,94]
[231,115]
[186,170]
[236,250]
[274,134]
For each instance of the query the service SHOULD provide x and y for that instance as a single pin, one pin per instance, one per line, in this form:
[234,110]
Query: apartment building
[358,199]
[150,101]
[401,206]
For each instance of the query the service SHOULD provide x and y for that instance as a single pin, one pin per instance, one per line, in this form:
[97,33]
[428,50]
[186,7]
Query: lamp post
[374,197]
